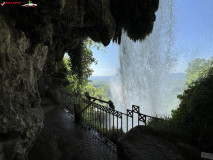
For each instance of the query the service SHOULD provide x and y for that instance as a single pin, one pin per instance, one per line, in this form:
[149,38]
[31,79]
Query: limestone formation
[21,115]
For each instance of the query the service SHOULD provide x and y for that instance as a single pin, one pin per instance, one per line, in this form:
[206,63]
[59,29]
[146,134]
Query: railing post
[78,116]
[102,118]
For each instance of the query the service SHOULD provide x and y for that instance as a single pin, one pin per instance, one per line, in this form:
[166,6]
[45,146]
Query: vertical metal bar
[103,122]
[121,123]
[138,115]
[89,114]
[109,120]
[100,121]
[82,113]
[92,121]
[113,120]
[117,123]
[85,113]
[127,123]
[95,118]
[132,118]
[106,122]
[138,119]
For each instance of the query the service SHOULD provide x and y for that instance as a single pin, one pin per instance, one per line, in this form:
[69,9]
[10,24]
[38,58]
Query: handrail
[110,103]
[109,122]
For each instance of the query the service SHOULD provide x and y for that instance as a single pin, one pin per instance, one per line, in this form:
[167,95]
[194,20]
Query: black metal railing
[108,122]
[99,115]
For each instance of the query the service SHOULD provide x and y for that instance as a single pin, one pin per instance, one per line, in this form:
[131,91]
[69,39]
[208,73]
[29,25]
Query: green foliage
[65,79]
[75,69]
[195,113]
[167,124]
[193,119]
[198,68]
[98,92]
[103,85]
[75,72]
[61,76]
[91,44]
[81,59]
[87,61]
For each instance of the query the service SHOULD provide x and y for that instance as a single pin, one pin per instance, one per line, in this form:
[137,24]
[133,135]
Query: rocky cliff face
[32,40]
[21,114]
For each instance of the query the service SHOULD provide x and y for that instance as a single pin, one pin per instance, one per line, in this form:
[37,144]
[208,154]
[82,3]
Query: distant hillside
[177,82]
[101,78]
[100,81]
[108,78]
[178,75]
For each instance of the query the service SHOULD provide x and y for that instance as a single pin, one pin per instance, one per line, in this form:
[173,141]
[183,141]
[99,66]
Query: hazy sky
[193,34]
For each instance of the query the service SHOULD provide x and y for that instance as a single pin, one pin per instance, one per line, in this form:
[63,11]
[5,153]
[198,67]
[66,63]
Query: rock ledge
[143,143]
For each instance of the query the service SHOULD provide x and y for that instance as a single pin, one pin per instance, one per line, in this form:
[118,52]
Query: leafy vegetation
[193,119]
[198,68]
[81,59]
[195,114]
[73,77]
[90,44]
[98,92]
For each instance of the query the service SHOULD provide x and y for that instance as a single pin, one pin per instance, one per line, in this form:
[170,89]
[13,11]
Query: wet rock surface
[21,116]
[143,143]
[63,139]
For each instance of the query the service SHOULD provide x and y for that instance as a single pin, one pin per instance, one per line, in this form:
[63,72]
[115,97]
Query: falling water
[145,67]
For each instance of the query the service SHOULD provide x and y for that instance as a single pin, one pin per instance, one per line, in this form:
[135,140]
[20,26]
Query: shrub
[194,117]
[195,114]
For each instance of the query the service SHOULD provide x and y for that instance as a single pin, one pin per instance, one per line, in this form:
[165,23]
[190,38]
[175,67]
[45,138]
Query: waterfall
[143,78]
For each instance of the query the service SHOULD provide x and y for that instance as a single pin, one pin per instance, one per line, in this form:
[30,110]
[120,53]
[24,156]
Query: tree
[194,115]
[193,118]
[91,44]
[98,92]
[74,71]
[198,68]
